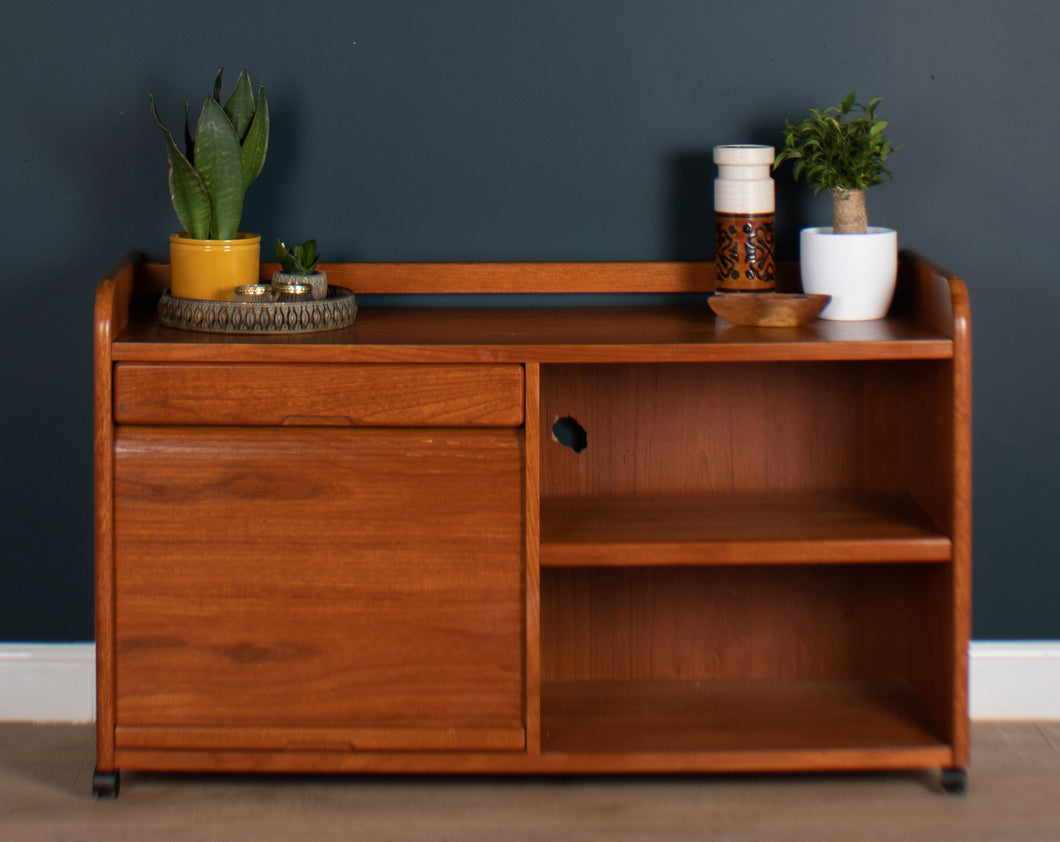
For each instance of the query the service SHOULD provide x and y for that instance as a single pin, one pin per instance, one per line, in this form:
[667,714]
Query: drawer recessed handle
[317,421]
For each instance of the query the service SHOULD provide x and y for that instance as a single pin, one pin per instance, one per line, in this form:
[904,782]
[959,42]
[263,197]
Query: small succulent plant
[298,260]
[209,179]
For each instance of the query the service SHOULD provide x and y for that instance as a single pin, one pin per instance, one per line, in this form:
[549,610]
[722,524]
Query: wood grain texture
[111,316]
[673,429]
[731,622]
[334,739]
[271,394]
[804,528]
[935,407]
[547,334]
[500,278]
[890,757]
[532,468]
[959,625]
[761,561]
[295,578]
[769,309]
[734,716]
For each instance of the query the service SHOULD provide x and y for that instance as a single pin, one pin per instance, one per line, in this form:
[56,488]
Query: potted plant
[299,265]
[207,184]
[843,150]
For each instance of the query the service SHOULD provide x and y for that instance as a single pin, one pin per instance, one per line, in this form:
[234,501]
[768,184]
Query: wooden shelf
[769,717]
[803,528]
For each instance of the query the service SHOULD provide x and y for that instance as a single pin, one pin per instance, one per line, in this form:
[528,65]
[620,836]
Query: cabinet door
[350,589]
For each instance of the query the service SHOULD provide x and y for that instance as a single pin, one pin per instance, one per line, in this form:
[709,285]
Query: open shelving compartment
[749,565]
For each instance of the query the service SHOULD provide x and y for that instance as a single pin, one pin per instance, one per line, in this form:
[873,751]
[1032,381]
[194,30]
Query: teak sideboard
[543,537]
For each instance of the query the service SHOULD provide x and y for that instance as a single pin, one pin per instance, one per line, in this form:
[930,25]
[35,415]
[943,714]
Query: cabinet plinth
[369,549]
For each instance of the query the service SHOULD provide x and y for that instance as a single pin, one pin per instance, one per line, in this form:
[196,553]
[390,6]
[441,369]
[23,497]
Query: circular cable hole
[570,434]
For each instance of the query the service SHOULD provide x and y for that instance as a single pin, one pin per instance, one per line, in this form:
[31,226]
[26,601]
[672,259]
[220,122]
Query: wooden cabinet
[378,549]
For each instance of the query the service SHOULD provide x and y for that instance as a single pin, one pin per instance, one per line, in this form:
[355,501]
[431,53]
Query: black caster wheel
[954,781]
[105,784]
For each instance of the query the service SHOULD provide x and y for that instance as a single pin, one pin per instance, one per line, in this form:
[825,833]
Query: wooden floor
[1014,794]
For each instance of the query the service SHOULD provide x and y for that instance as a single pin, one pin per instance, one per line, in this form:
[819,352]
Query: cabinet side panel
[913,434]
[909,433]
[320,578]
[532,440]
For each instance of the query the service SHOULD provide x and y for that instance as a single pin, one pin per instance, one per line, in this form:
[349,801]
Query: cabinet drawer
[265,394]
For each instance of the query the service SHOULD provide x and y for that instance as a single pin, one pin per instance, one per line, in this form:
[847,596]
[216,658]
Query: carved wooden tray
[768,309]
[339,309]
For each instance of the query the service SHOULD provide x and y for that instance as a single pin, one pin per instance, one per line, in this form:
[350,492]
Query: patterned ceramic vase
[744,208]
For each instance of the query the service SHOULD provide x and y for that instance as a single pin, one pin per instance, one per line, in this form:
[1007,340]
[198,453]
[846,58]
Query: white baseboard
[42,682]
[1014,680]
[48,682]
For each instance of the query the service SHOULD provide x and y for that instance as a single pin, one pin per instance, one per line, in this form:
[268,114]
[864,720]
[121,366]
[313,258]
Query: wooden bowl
[768,309]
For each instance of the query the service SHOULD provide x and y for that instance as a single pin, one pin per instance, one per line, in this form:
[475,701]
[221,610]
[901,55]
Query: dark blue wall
[503,130]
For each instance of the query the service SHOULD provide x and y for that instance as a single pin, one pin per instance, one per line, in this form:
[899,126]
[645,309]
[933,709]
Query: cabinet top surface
[928,306]
[687,333]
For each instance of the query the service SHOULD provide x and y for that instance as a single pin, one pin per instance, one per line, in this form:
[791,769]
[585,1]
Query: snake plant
[208,181]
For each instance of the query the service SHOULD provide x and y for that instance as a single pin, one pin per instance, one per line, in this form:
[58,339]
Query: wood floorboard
[46,772]
[1051,732]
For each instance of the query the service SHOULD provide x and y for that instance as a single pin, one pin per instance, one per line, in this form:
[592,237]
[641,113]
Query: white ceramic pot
[857,270]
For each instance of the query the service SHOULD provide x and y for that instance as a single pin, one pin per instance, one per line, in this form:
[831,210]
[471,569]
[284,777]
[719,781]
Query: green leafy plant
[209,179]
[843,150]
[299,260]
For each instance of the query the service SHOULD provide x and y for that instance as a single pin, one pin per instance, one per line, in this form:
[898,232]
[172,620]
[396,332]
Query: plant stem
[848,211]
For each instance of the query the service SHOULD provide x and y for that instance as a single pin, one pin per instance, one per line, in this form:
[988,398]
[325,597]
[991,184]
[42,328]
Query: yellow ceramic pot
[212,269]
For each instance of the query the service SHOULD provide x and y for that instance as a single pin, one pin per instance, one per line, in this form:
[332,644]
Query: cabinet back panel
[743,428]
[752,428]
[726,623]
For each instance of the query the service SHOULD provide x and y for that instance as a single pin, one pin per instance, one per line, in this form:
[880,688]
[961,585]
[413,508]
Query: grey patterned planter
[318,280]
